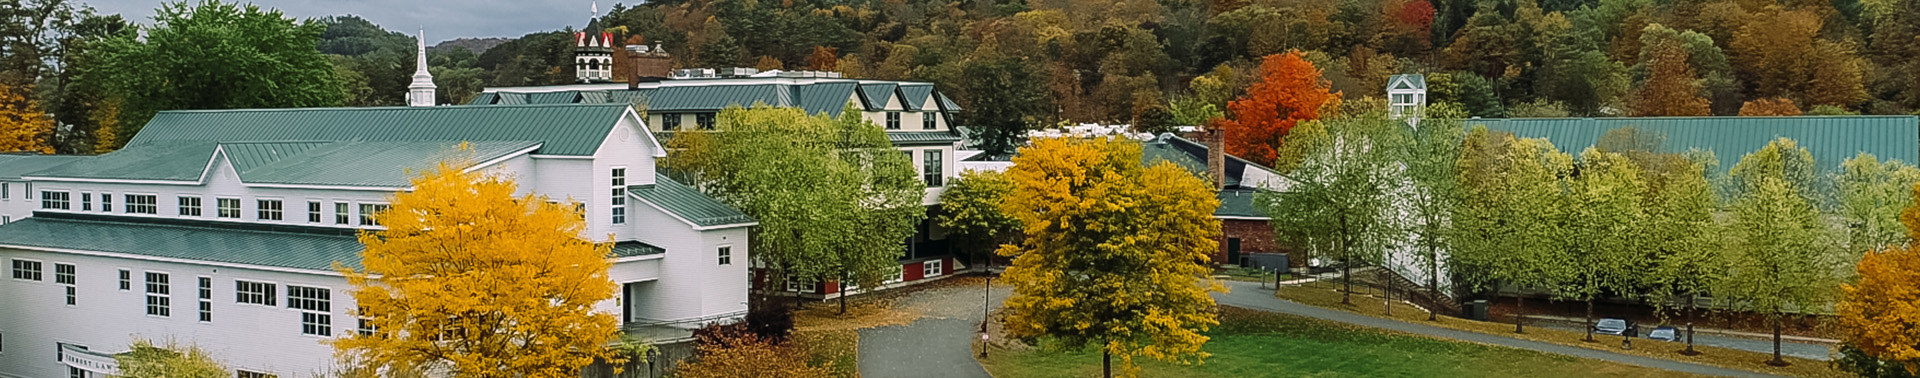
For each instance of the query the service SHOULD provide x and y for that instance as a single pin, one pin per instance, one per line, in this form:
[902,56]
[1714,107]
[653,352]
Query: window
[269,209]
[726,255]
[929,120]
[254,374]
[63,274]
[931,268]
[619,196]
[26,270]
[669,121]
[206,299]
[74,372]
[801,285]
[896,275]
[143,204]
[581,209]
[341,214]
[313,303]
[313,211]
[189,206]
[705,120]
[72,298]
[126,280]
[55,200]
[228,207]
[4,190]
[86,201]
[930,168]
[159,297]
[367,213]
[365,327]
[106,203]
[893,120]
[5,219]
[259,293]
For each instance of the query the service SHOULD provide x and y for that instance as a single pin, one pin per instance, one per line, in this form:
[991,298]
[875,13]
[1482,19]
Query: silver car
[1664,333]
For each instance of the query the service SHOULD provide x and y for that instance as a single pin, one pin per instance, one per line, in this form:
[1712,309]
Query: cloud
[443,20]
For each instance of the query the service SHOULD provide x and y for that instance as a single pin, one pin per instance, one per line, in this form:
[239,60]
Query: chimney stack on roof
[646,64]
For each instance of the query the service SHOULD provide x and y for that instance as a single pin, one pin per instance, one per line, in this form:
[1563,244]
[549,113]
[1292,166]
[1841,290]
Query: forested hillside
[1153,63]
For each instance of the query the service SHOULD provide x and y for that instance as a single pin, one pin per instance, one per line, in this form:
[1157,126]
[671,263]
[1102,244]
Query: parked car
[1664,333]
[1611,326]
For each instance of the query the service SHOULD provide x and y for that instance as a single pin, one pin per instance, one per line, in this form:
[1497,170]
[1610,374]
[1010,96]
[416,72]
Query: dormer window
[669,121]
[893,120]
[106,202]
[705,120]
[929,120]
[86,201]
[368,212]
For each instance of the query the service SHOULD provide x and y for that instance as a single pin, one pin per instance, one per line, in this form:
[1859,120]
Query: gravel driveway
[939,344]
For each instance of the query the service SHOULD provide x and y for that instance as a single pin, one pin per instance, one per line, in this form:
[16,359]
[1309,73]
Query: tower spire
[421,92]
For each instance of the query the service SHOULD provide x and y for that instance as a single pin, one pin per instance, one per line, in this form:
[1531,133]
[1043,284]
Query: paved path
[1251,295]
[939,345]
[1811,351]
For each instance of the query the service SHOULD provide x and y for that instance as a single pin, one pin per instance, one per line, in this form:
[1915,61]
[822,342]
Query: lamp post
[986,307]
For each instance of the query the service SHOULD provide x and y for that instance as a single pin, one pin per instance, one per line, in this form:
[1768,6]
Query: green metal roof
[688,203]
[917,96]
[307,251]
[876,94]
[183,161]
[830,98]
[484,98]
[634,248]
[568,129]
[1831,139]
[553,98]
[376,164]
[946,103]
[716,97]
[917,138]
[1238,203]
[12,166]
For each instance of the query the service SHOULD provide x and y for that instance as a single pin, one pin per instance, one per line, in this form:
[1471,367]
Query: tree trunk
[1690,311]
[1106,362]
[1777,361]
[1433,283]
[844,293]
[1389,302]
[1519,311]
[1589,322]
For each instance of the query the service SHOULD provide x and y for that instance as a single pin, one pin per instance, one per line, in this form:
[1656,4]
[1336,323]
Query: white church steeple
[420,93]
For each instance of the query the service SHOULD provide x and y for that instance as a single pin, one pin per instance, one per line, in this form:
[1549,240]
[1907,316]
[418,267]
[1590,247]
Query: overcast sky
[443,19]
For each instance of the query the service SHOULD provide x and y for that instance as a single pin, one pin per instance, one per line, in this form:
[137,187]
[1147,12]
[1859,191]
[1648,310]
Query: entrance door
[1233,251]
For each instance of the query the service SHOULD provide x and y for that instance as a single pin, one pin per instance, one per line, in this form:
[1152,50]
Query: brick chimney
[649,64]
[1216,157]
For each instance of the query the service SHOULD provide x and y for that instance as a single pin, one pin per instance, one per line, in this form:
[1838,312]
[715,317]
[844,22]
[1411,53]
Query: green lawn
[1260,344]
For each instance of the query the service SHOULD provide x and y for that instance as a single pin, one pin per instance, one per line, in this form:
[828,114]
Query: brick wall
[1255,237]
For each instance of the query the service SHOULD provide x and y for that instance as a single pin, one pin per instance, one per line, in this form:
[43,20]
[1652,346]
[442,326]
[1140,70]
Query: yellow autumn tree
[1115,254]
[1879,312]
[470,279]
[22,126]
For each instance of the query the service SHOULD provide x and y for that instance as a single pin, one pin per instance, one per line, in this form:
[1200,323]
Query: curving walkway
[1251,295]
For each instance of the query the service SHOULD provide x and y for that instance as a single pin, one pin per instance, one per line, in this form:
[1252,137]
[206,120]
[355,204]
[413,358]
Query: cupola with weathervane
[1407,97]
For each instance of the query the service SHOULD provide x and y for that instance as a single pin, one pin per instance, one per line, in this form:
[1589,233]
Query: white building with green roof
[221,228]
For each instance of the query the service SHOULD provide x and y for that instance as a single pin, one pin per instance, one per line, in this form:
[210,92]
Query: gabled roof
[1831,139]
[689,204]
[918,96]
[569,129]
[1236,200]
[1413,81]
[205,242]
[175,161]
[877,94]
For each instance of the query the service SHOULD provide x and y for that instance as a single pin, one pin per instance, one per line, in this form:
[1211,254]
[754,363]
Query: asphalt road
[938,345]
[1250,295]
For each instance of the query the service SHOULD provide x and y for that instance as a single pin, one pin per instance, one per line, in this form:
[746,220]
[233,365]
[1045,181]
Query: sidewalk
[1715,331]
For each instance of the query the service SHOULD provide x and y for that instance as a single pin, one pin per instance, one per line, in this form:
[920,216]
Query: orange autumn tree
[823,59]
[22,126]
[1879,313]
[472,280]
[1290,90]
[1769,107]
